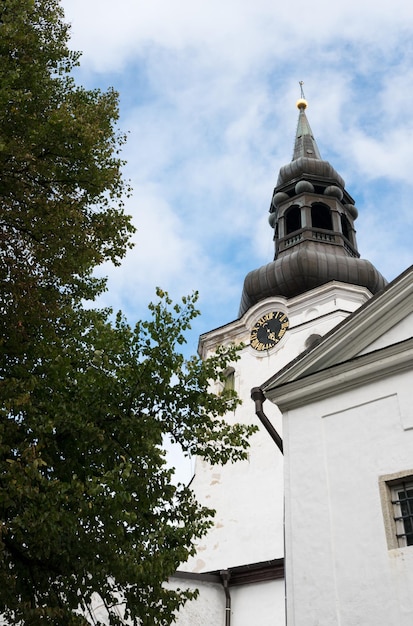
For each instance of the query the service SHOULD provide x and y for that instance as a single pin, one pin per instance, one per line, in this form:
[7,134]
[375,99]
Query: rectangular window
[402,500]
[396,492]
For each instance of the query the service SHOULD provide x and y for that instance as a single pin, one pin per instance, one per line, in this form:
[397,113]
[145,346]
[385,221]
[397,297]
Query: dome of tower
[279,197]
[333,190]
[304,269]
[352,210]
[314,236]
[272,219]
[303,186]
[308,166]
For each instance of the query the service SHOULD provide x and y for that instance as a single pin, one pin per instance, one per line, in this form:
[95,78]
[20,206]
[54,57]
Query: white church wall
[340,570]
[248,495]
[260,604]
[208,609]
[257,603]
[245,531]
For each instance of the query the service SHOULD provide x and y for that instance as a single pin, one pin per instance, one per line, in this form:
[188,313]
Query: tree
[86,500]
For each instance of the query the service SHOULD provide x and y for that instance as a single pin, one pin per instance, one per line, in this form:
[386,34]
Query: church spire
[305,144]
[313,219]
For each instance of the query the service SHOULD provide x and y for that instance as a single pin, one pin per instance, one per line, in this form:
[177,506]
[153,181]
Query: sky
[208,93]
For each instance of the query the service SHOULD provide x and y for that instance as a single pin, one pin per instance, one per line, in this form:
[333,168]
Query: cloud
[207,95]
[232,32]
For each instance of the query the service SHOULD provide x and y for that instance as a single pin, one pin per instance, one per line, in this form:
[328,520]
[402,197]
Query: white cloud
[232,32]
[208,92]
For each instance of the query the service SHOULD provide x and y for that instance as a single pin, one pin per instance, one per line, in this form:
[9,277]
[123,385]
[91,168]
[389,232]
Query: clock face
[268,331]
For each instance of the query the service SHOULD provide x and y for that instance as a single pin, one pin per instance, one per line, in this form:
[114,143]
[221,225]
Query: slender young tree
[88,512]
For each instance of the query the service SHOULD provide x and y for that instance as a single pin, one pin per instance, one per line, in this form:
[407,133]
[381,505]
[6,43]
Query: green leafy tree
[87,505]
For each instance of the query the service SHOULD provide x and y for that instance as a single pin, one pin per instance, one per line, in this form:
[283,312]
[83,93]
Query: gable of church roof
[382,326]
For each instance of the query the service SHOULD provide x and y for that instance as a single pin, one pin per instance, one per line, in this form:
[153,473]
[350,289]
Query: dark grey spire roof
[307,159]
[305,144]
[313,219]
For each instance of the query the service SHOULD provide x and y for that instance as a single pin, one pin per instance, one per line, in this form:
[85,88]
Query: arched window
[345,228]
[321,217]
[293,219]
[229,382]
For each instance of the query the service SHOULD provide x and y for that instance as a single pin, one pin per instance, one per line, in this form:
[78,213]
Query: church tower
[313,219]
[315,281]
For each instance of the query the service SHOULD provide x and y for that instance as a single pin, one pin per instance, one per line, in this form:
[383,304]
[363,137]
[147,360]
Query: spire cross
[302,102]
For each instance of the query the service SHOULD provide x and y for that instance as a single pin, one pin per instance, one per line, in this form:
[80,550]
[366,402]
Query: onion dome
[313,216]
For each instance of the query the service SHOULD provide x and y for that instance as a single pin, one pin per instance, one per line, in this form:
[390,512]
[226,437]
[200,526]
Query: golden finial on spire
[302,102]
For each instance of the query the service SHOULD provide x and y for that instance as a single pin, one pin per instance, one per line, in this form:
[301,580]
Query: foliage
[86,500]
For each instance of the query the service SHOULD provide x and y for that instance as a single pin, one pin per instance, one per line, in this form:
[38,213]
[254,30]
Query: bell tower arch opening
[321,216]
[293,219]
[346,228]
